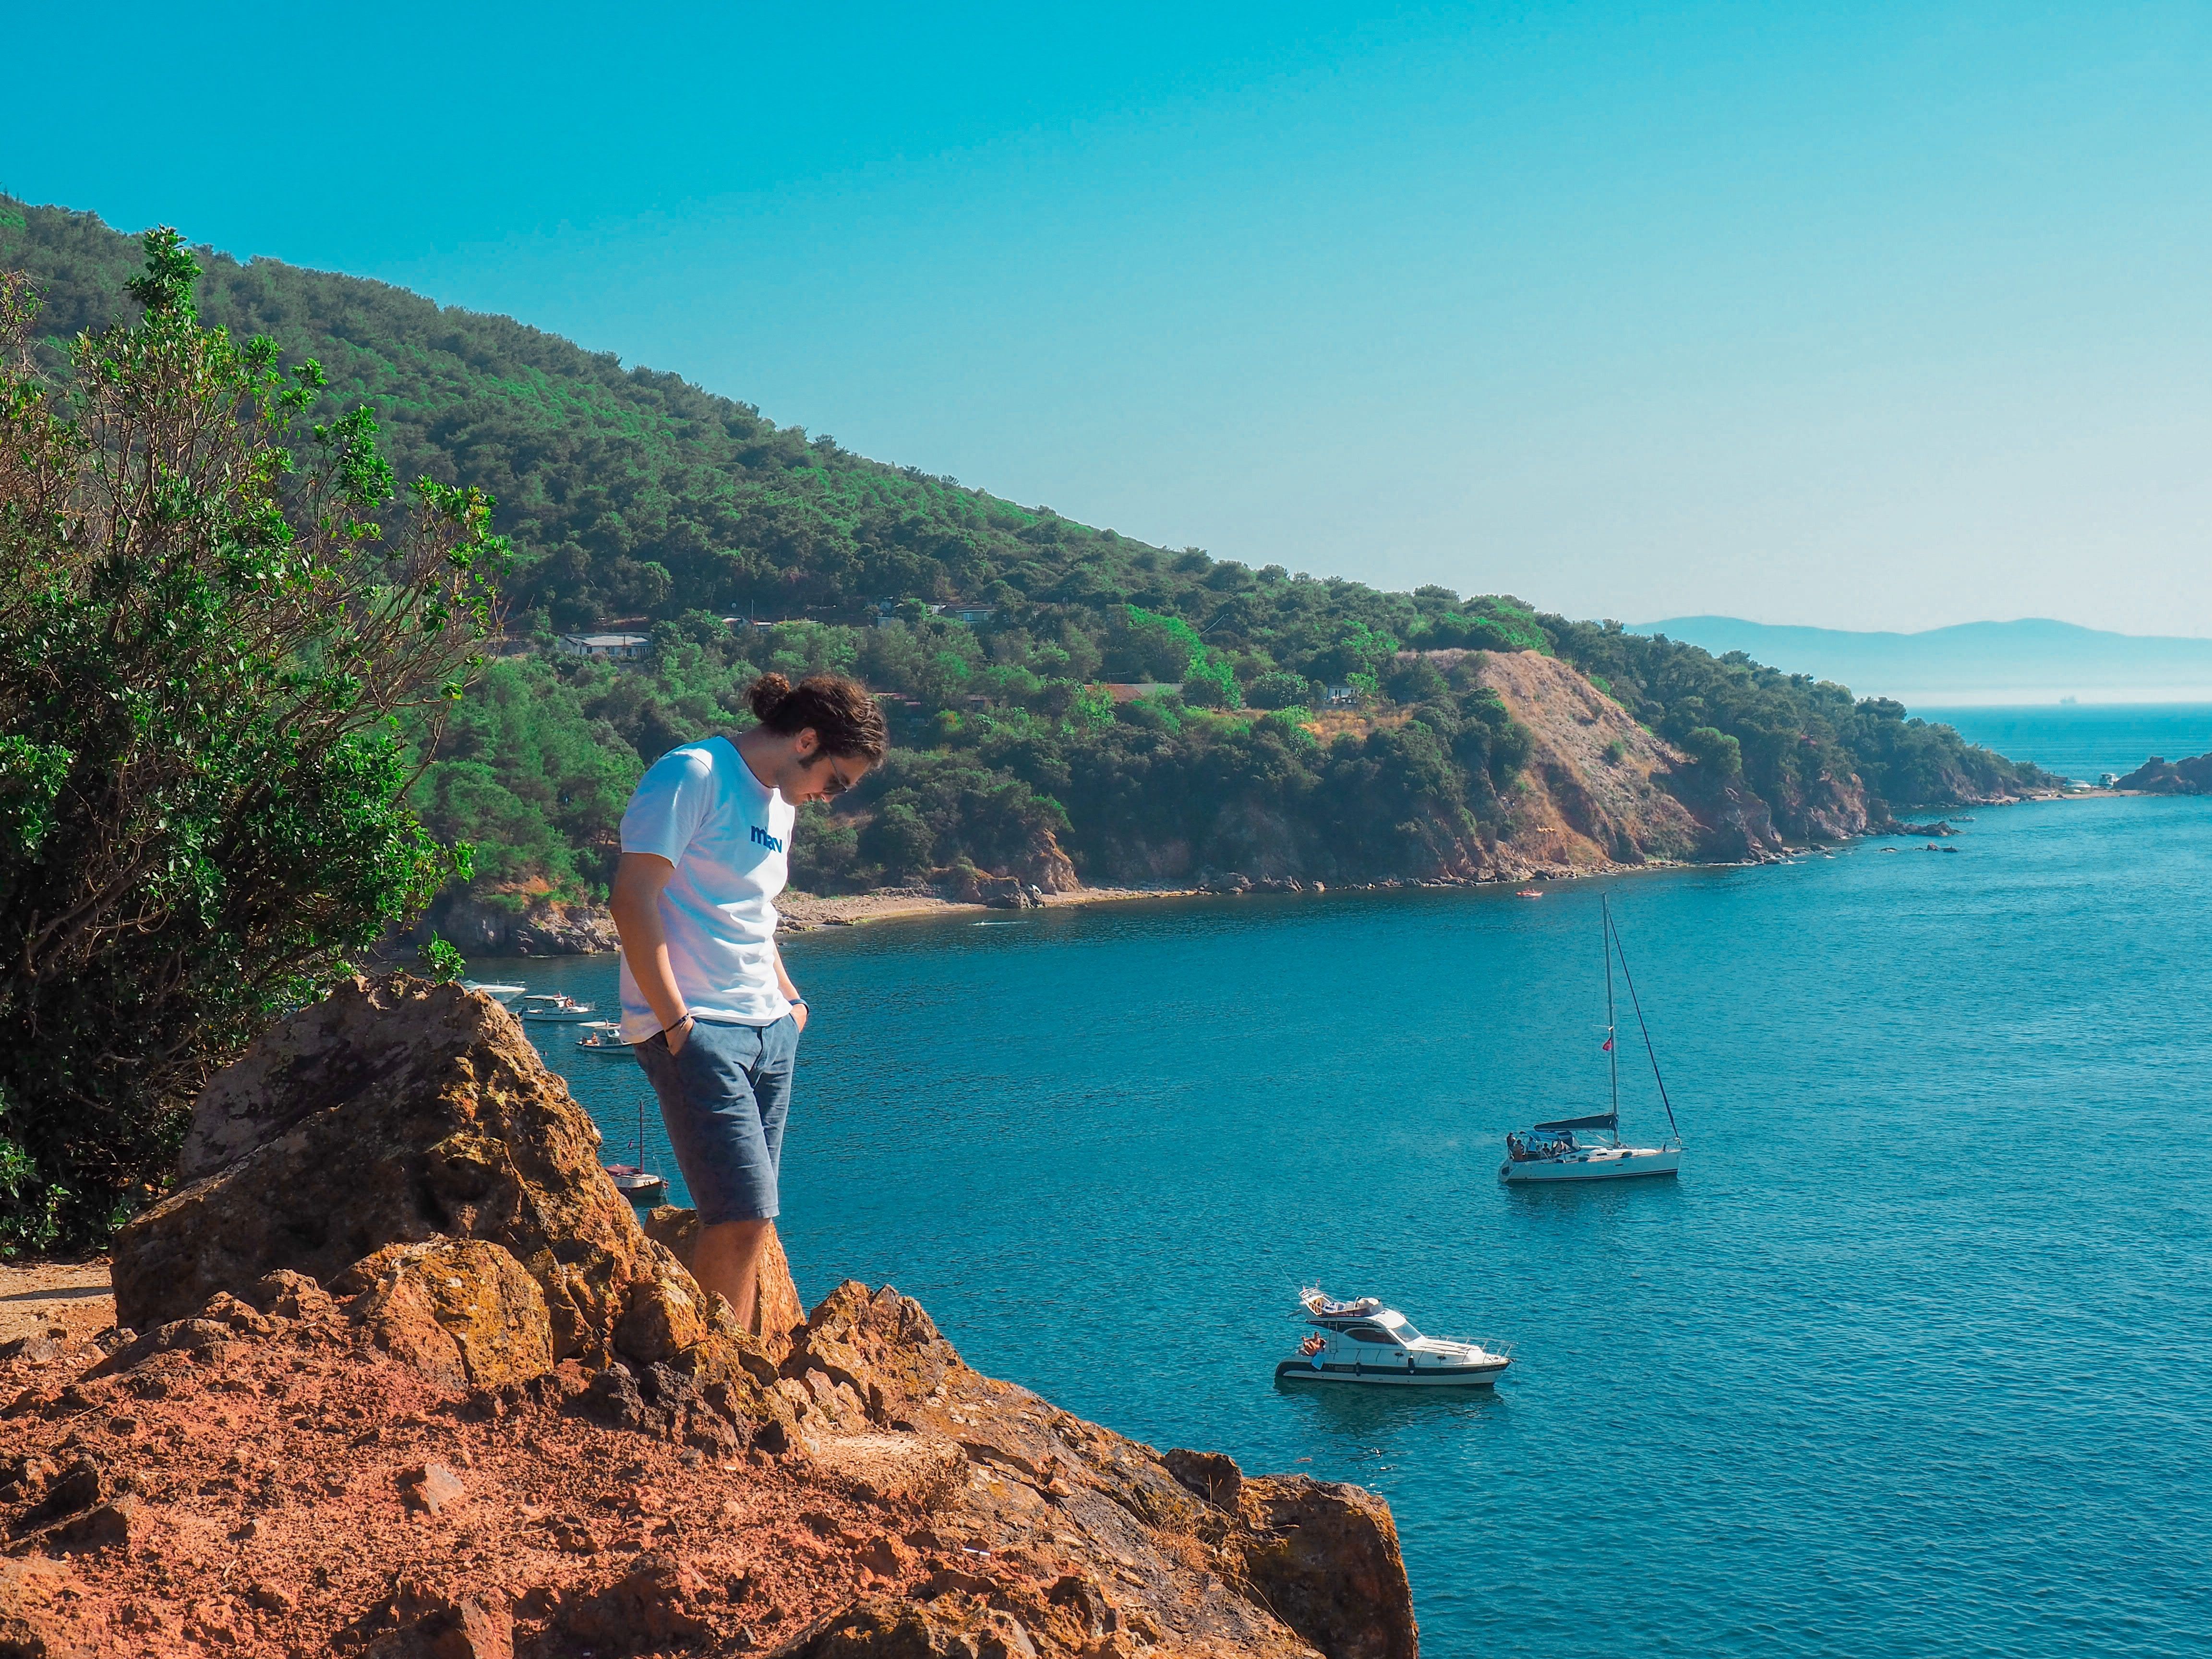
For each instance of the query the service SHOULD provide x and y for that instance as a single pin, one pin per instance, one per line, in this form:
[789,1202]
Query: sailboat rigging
[1549,1151]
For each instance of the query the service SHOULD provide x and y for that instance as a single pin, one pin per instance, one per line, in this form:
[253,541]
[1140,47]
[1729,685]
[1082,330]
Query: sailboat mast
[1612,1048]
[1637,1003]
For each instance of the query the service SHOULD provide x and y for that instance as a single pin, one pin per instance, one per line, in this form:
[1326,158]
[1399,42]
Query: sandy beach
[803,912]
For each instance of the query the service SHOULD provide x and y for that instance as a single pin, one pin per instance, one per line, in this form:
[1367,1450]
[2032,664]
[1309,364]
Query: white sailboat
[1551,1152]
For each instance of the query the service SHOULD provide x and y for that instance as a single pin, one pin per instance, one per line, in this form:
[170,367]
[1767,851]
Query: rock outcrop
[518,925]
[2160,776]
[394,1113]
[510,1423]
[777,1310]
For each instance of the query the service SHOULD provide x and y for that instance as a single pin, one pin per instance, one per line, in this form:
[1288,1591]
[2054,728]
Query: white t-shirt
[728,835]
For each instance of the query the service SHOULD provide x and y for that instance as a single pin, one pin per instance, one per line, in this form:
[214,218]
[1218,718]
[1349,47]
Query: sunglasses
[839,783]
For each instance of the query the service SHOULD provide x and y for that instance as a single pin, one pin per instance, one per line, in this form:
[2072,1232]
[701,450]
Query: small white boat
[1549,1151]
[634,1181]
[1365,1342]
[606,1040]
[497,993]
[556,1005]
[635,1184]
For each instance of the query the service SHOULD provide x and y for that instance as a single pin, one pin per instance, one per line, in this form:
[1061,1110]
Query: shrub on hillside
[203,652]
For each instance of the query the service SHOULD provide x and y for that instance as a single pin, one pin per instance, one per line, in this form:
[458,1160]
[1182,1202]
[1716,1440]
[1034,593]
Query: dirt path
[55,1298]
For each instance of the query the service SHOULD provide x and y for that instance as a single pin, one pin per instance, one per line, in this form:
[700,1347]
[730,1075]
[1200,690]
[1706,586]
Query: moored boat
[497,993]
[1365,1343]
[635,1184]
[558,1005]
[606,1040]
[1550,1152]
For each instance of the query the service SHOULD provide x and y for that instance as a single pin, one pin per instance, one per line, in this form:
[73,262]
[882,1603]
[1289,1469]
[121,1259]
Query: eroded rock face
[1325,1558]
[462,1312]
[393,1112]
[535,927]
[1599,788]
[777,1310]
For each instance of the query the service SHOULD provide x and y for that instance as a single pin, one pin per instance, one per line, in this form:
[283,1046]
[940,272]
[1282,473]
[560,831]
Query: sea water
[1911,1359]
[2085,741]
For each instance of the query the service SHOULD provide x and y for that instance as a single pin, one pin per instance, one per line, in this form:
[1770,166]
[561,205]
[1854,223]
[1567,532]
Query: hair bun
[768,690]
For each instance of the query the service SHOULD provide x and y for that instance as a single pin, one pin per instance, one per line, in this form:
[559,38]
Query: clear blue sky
[1874,317]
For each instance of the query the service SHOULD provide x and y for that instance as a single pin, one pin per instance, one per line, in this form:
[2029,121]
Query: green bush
[205,653]
[1277,689]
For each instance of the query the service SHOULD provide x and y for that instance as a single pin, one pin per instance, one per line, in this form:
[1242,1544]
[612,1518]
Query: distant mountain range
[2033,660]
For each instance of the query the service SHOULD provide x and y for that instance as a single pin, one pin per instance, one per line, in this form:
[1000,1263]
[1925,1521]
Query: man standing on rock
[706,1006]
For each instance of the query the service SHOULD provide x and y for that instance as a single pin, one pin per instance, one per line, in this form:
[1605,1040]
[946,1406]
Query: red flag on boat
[1608,1046]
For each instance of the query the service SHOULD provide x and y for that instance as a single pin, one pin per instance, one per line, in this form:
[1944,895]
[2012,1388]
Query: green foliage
[441,960]
[630,495]
[1793,739]
[1277,689]
[207,651]
[30,1206]
[1713,748]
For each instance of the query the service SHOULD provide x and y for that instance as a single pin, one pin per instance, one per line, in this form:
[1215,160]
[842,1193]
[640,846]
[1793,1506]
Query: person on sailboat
[711,1014]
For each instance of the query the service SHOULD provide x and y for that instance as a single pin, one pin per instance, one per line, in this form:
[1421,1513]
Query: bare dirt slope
[1586,803]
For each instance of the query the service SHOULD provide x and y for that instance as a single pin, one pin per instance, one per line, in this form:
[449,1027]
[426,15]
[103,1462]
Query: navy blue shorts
[725,1095]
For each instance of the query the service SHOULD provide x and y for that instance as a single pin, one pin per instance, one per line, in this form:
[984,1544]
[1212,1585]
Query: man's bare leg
[726,1261]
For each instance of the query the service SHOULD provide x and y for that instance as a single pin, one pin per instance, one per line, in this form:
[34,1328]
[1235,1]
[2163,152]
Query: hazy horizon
[1854,319]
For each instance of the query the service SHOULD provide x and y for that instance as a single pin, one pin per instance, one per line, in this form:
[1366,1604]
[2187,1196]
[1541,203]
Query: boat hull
[1384,1376]
[1599,1164]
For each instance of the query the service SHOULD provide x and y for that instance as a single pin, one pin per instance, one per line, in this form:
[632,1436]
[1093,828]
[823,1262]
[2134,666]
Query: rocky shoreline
[399,1375]
[1599,795]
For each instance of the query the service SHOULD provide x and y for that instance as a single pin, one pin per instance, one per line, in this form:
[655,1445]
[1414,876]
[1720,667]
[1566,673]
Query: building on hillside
[617,648]
[1341,696]
[1130,690]
[887,611]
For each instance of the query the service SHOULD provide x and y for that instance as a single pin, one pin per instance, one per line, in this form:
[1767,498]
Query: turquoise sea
[1910,1359]
[2085,741]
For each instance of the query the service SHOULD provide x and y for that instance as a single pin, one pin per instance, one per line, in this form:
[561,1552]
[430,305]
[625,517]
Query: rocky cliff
[1599,791]
[517,924]
[2160,776]
[406,1379]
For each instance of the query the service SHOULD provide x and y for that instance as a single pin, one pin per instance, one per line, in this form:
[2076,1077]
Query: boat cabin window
[1400,1326]
[1370,1333]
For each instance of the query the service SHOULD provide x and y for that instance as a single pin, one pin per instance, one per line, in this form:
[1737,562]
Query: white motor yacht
[556,1005]
[1367,1343]
[497,993]
[1549,1151]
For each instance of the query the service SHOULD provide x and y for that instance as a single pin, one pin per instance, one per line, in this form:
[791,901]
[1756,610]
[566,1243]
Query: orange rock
[777,1311]
[665,1314]
[462,1312]
[1326,1558]
[392,1112]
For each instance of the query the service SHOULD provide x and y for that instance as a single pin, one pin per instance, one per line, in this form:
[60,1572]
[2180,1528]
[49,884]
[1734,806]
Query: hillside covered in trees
[630,494]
